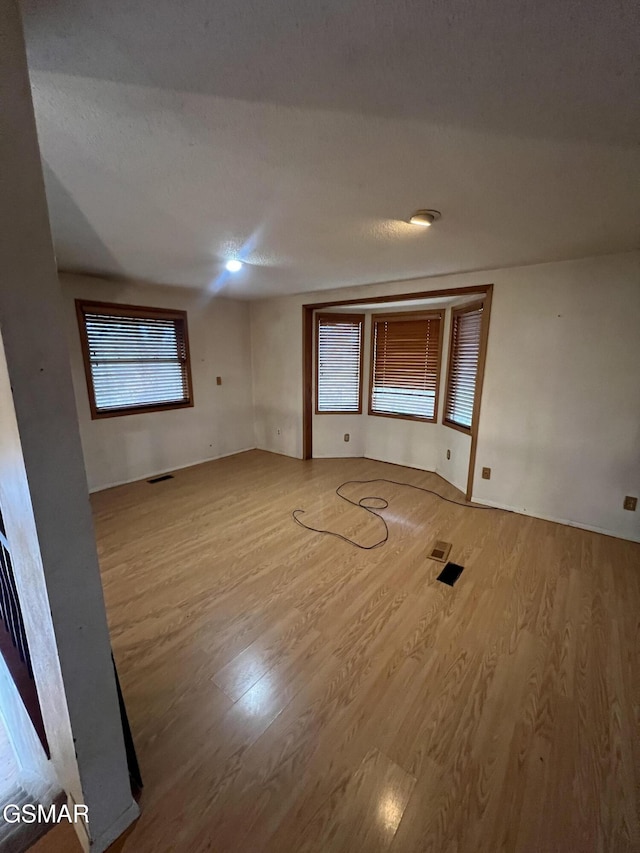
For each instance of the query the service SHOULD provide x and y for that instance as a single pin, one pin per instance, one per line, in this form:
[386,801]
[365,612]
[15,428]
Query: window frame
[413,315]
[336,317]
[143,312]
[463,309]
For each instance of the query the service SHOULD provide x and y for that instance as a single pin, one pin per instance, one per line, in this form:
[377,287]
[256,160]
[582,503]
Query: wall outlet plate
[448,454]
[486,473]
[346,436]
[630,503]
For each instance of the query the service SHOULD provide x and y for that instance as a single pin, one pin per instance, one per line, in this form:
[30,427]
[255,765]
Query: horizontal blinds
[339,364]
[405,366]
[463,367]
[136,361]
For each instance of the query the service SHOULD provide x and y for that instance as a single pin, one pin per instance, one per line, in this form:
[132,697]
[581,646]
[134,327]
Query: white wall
[402,442]
[121,449]
[455,469]
[560,424]
[276,358]
[560,414]
[329,432]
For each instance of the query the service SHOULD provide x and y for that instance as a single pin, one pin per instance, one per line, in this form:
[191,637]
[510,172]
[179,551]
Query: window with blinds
[136,359]
[339,342]
[464,353]
[405,366]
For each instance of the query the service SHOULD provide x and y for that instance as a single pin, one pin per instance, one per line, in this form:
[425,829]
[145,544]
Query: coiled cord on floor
[383,504]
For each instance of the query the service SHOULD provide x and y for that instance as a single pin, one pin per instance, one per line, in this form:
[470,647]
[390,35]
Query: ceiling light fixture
[234,265]
[424,217]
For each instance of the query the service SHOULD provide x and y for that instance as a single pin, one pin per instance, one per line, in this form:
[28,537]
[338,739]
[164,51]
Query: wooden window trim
[115,309]
[414,315]
[463,309]
[451,425]
[348,318]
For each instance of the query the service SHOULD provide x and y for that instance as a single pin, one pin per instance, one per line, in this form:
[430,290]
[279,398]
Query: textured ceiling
[300,135]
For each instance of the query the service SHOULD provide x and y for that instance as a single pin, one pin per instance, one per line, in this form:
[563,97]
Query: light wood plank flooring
[288,692]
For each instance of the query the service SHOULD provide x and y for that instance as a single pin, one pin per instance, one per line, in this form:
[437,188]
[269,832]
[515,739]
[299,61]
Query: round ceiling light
[234,265]
[424,217]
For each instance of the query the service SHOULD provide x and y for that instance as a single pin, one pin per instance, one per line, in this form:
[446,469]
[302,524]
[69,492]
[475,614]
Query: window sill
[140,410]
[350,412]
[463,429]
[403,417]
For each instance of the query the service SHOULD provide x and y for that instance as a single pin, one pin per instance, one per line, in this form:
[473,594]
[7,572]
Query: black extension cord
[382,505]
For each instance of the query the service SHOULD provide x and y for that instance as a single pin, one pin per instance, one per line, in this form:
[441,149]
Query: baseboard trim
[403,465]
[565,521]
[276,452]
[460,487]
[168,470]
[339,457]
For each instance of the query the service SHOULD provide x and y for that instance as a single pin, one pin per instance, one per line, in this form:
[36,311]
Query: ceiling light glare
[425,218]
[234,265]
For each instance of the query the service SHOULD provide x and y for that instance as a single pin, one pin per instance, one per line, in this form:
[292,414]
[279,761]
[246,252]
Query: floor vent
[440,551]
[160,479]
[450,573]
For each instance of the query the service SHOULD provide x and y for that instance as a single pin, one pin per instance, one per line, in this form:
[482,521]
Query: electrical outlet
[448,454]
[218,380]
[278,431]
[486,473]
[630,503]
[346,436]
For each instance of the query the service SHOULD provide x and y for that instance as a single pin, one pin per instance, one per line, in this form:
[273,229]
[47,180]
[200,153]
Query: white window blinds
[406,366]
[136,361]
[466,327]
[339,342]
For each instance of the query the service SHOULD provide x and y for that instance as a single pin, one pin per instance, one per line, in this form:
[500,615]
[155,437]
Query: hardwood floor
[288,692]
